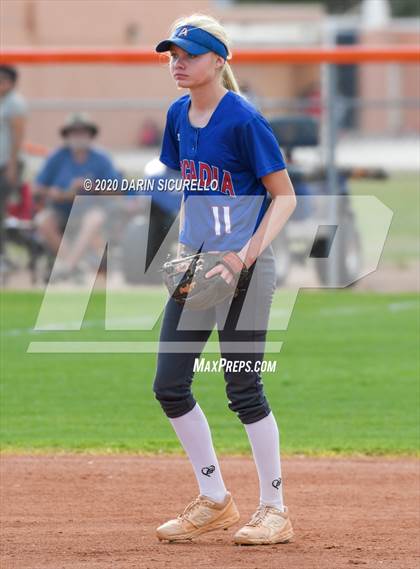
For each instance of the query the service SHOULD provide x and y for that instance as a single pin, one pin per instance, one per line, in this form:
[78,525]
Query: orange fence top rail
[144,56]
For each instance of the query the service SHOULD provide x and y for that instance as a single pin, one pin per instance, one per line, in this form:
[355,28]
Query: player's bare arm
[282,205]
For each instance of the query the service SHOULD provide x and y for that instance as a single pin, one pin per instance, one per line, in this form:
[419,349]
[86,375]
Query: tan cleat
[200,516]
[268,525]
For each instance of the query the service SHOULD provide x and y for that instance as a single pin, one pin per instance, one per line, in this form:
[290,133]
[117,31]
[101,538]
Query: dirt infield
[100,512]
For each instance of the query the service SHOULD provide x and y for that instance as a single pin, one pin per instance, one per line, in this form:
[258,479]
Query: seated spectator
[61,179]
[12,124]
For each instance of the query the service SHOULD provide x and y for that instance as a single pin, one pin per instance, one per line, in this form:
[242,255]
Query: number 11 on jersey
[217,219]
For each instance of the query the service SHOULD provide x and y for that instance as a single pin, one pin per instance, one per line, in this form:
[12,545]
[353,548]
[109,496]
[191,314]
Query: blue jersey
[221,165]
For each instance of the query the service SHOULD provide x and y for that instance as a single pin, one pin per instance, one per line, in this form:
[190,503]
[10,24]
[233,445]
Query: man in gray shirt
[12,124]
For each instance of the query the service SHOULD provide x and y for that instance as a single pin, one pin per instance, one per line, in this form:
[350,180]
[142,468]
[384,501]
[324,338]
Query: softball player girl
[213,135]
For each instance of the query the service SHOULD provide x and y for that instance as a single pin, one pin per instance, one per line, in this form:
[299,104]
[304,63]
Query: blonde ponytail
[214,27]
[228,79]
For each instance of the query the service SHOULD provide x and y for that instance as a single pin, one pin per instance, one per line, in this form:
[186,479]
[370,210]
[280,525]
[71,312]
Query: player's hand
[77,185]
[231,268]
[224,272]
[55,194]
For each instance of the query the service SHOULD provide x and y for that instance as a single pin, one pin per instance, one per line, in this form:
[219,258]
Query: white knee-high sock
[194,434]
[264,438]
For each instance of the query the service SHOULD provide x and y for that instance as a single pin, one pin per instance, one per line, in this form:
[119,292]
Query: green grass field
[347,381]
[401,193]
